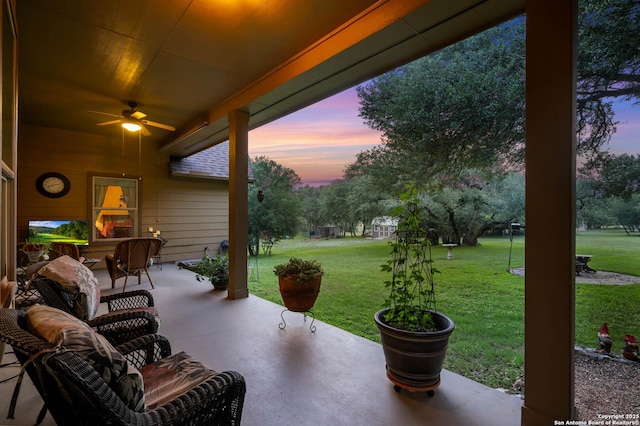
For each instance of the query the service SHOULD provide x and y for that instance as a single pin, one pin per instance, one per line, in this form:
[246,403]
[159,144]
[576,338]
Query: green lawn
[474,289]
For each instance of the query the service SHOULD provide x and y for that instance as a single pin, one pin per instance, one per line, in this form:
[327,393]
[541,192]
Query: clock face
[53,185]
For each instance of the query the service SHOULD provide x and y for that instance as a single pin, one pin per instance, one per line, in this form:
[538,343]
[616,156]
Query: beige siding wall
[191,213]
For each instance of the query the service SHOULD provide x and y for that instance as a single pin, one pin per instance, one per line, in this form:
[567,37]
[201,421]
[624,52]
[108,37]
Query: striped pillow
[59,328]
[78,280]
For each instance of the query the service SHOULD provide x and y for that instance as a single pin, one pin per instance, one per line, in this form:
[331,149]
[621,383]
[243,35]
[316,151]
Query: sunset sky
[320,140]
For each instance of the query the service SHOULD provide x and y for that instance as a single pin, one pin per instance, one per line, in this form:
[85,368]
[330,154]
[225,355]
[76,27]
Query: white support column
[550,211]
[238,206]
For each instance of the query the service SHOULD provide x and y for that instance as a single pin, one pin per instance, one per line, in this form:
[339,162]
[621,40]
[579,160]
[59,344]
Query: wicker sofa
[77,391]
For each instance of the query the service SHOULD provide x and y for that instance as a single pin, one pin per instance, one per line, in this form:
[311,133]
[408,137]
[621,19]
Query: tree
[462,213]
[593,210]
[608,65]
[609,196]
[333,205]
[463,107]
[459,109]
[506,195]
[278,214]
[627,212]
[364,203]
[620,176]
[312,211]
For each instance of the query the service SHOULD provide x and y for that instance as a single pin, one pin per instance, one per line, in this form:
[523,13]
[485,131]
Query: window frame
[99,185]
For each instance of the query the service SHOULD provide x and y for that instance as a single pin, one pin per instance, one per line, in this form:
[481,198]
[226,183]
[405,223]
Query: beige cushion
[78,280]
[59,328]
[7,293]
[171,377]
[7,300]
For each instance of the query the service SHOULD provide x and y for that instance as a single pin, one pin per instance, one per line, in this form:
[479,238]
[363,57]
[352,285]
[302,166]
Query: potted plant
[414,335]
[34,251]
[299,282]
[215,269]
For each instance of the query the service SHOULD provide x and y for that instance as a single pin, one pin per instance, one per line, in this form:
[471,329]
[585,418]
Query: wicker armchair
[57,249]
[131,257]
[75,394]
[130,315]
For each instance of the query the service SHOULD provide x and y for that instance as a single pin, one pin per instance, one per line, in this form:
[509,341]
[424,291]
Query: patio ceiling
[190,61]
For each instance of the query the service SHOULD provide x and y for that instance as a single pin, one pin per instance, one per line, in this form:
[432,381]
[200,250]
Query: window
[115,208]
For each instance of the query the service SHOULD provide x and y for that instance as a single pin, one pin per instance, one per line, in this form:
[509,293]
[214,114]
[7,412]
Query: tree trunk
[456,238]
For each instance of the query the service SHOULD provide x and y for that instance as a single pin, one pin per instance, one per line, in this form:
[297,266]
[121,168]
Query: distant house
[326,231]
[383,226]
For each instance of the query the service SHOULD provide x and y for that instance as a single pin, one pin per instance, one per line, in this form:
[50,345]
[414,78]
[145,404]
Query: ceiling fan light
[132,127]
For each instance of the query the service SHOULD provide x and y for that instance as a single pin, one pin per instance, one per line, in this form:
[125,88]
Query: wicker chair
[86,399]
[57,249]
[131,257]
[130,315]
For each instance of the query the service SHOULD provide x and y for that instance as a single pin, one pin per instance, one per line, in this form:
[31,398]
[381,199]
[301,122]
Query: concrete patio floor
[293,376]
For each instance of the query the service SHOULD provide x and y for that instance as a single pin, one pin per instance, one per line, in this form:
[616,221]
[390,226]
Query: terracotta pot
[298,296]
[414,359]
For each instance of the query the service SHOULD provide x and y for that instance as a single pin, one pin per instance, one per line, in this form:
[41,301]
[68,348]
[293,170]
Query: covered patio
[77,60]
[293,376]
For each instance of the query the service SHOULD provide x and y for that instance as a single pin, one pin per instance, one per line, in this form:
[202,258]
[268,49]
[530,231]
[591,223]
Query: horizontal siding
[190,213]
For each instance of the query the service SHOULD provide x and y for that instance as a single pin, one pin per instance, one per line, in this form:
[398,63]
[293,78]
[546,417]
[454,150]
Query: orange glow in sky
[318,142]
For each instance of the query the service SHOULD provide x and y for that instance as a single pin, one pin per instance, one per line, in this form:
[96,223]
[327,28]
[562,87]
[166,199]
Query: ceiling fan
[133,120]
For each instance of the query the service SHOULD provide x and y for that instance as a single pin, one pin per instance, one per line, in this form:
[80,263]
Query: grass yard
[474,289]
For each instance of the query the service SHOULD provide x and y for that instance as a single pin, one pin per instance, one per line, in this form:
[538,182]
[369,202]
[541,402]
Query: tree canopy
[449,112]
[277,216]
[463,107]
[452,126]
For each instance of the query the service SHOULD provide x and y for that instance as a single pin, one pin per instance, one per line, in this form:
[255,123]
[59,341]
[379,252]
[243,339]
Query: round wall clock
[53,185]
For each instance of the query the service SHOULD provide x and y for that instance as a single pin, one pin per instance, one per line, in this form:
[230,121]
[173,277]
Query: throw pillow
[78,280]
[7,293]
[59,328]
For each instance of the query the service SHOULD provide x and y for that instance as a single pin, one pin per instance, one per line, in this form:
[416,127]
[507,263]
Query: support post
[550,211]
[238,205]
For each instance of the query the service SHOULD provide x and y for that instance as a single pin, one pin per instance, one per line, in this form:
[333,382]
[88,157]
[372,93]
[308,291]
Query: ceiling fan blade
[144,130]
[105,113]
[138,115]
[159,125]
[106,123]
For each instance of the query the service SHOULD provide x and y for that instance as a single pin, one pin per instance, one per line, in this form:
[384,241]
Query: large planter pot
[414,359]
[298,296]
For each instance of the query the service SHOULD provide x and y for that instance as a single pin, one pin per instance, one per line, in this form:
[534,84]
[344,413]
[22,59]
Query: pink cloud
[319,141]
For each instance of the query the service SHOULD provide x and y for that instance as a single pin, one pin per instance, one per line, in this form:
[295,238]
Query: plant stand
[398,386]
[312,327]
